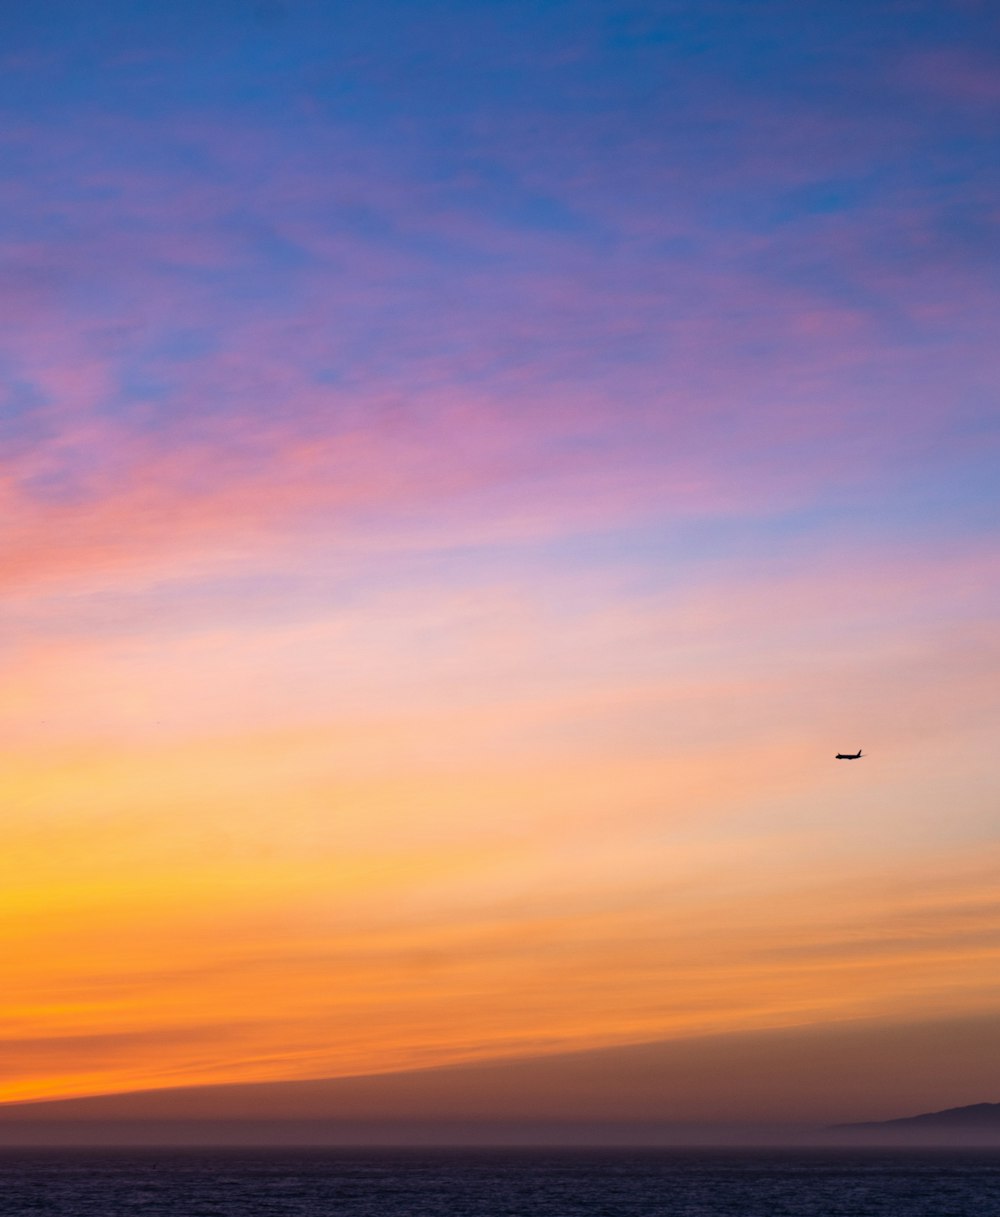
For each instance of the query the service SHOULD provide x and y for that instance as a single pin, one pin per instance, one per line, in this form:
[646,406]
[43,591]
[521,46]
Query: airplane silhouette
[848,756]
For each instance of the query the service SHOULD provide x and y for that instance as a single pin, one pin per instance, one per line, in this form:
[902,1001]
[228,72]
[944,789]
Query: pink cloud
[535,386]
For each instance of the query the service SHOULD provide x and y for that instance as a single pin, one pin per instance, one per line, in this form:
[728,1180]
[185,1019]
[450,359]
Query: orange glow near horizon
[390,837]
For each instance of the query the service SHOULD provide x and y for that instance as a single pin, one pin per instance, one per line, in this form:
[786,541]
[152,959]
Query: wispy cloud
[462,479]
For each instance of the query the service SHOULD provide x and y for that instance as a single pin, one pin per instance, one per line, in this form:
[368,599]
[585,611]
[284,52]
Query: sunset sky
[466,468]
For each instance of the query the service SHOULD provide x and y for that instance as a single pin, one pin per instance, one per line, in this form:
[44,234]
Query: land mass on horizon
[974,1115]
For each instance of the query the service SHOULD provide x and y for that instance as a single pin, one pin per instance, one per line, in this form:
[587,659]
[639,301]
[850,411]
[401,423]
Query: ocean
[499,1183]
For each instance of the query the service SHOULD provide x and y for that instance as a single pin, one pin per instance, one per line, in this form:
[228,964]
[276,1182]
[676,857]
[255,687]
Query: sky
[465,470]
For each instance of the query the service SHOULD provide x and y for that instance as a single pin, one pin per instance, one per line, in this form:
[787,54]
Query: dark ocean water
[500,1183]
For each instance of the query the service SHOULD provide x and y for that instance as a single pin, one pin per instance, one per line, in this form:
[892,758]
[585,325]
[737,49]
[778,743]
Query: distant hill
[978,1117]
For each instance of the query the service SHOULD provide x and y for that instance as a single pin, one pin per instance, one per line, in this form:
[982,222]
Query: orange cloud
[434,826]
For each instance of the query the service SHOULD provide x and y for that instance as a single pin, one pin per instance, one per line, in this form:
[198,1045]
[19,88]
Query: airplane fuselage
[848,756]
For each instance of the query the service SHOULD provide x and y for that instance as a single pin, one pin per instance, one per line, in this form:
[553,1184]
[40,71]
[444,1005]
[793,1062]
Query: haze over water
[466,470]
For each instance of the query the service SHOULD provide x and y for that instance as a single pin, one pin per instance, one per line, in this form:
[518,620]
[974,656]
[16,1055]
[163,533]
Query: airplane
[848,756]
